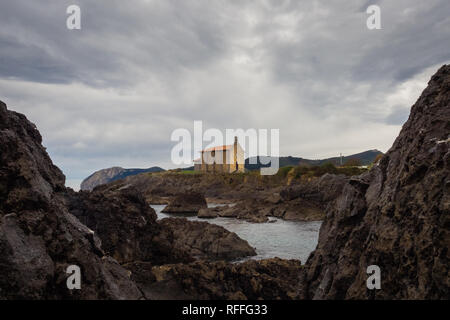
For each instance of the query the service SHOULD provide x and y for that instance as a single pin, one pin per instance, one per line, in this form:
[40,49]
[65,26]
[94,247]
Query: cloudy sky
[111,93]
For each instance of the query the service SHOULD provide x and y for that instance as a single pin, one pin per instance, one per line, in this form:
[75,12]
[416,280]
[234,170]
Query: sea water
[278,238]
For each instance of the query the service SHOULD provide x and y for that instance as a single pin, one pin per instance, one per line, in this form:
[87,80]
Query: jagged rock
[154,199]
[126,225]
[270,279]
[189,202]
[396,216]
[250,210]
[302,202]
[39,239]
[274,198]
[320,191]
[300,211]
[207,241]
[208,213]
[129,231]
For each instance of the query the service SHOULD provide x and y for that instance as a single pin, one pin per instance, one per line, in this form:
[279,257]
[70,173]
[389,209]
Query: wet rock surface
[271,279]
[208,213]
[207,241]
[125,224]
[39,238]
[189,202]
[396,216]
[129,231]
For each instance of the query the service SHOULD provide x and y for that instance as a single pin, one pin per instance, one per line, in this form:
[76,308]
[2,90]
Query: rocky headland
[108,175]
[188,202]
[395,216]
[249,197]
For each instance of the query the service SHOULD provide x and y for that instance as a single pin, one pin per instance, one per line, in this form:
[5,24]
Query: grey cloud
[398,115]
[118,45]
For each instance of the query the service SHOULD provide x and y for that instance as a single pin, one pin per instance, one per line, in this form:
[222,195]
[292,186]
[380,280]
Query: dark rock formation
[208,213]
[39,238]
[320,191]
[129,231]
[189,202]
[250,210]
[269,279]
[306,201]
[126,225]
[112,174]
[207,241]
[255,197]
[396,216]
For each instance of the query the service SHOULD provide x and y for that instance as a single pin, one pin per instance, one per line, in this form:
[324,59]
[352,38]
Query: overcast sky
[111,93]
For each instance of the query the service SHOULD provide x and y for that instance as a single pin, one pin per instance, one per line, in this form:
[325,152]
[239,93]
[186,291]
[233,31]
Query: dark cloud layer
[112,92]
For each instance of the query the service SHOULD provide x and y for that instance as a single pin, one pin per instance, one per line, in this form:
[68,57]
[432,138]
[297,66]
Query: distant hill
[112,174]
[365,158]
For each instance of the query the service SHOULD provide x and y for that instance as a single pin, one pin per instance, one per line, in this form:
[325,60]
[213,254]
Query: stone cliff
[396,216]
[39,238]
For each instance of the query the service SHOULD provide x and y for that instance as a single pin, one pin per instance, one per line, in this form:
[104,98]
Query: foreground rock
[207,241]
[39,238]
[190,202]
[271,279]
[126,225]
[129,231]
[396,216]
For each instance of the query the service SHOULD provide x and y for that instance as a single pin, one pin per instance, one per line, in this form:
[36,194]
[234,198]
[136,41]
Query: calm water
[283,239]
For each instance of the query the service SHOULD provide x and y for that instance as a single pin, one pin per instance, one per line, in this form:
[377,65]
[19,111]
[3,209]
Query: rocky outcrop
[250,210]
[209,213]
[112,174]
[271,279]
[321,191]
[309,201]
[126,225]
[189,202]
[129,231]
[306,201]
[220,187]
[396,216]
[39,238]
[207,241]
